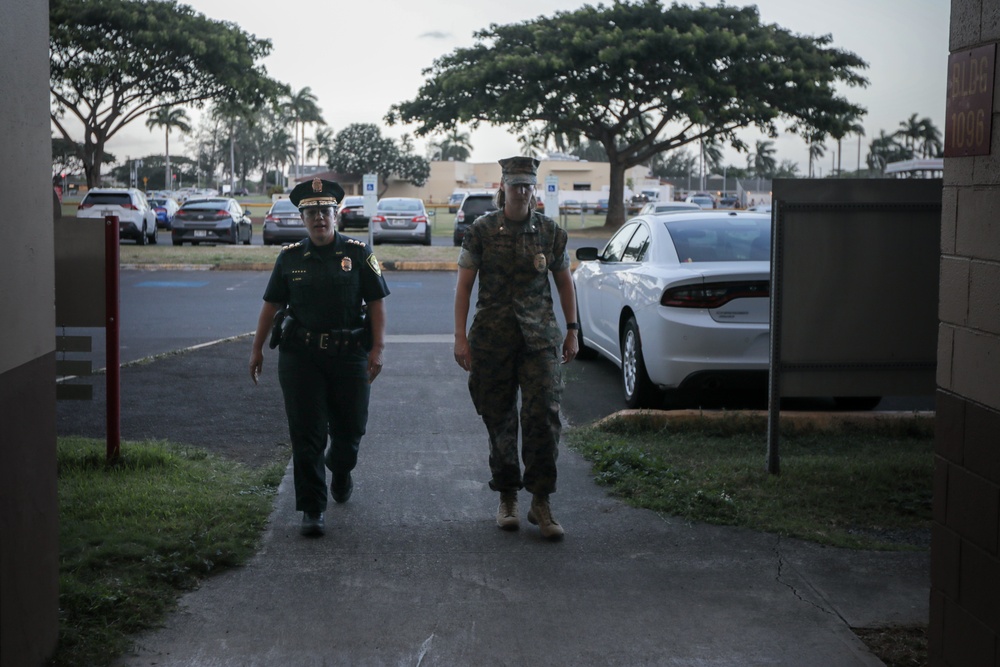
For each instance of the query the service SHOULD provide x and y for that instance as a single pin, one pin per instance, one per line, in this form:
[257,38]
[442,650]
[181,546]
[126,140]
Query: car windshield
[284,206]
[353,201]
[477,206]
[158,202]
[728,239]
[400,205]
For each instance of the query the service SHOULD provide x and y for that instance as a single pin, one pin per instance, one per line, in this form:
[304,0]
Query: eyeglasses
[316,213]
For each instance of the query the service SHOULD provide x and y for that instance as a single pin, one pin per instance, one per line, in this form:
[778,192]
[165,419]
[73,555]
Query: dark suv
[473,206]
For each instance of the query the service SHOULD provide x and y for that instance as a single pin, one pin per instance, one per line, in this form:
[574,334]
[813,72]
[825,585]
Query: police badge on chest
[345,264]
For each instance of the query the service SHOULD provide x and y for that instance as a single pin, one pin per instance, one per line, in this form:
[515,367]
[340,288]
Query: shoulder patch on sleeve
[375,266]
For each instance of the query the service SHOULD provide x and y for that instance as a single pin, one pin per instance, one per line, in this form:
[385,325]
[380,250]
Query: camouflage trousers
[494,382]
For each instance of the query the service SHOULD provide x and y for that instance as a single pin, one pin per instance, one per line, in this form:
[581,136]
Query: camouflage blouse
[513,261]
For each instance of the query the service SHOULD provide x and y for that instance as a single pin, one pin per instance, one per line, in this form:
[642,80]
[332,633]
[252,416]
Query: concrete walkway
[413,570]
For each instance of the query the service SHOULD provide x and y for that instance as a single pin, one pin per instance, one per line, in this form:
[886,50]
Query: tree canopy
[361,149]
[111,61]
[640,79]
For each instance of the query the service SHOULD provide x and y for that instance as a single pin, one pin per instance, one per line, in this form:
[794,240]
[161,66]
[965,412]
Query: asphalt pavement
[414,571]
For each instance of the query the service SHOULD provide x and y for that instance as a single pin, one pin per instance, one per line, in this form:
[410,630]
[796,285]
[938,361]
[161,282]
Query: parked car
[473,206]
[602,206]
[352,213]
[570,207]
[704,201]
[283,224]
[667,207]
[760,208]
[401,219]
[729,202]
[455,201]
[165,208]
[679,302]
[136,219]
[211,220]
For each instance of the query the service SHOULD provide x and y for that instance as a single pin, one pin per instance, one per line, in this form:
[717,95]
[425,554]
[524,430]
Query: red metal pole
[112,306]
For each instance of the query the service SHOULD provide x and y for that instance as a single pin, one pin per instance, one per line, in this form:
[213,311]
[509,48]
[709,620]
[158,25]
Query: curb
[794,420]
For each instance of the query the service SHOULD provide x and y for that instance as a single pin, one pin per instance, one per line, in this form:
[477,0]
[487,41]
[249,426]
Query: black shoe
[341,487]
[312,524]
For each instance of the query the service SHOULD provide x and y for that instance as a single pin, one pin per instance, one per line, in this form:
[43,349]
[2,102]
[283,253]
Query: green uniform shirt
[326,285]
[513,260]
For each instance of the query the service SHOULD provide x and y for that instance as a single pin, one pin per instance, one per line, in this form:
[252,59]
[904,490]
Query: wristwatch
[573,326]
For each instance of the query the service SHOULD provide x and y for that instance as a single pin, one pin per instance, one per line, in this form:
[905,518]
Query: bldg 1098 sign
[969,109]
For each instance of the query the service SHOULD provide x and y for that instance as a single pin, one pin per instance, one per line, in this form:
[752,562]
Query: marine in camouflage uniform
[324,365]
[515,344]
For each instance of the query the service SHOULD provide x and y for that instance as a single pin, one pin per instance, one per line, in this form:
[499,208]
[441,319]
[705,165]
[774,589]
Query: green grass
[136,533]
[862,486]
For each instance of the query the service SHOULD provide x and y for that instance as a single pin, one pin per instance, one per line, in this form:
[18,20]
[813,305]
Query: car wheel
[427,236]
[155,238]
[856,403]
[639,391]
[143,239]
[249,237]
[178,242]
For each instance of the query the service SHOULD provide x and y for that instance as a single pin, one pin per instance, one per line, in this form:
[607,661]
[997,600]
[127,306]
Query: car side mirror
[586,254]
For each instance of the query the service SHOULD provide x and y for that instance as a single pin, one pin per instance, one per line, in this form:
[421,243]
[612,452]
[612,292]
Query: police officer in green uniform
[514,344]
[324,302]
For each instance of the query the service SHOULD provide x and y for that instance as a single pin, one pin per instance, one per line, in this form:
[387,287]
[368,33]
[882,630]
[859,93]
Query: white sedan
[680,302]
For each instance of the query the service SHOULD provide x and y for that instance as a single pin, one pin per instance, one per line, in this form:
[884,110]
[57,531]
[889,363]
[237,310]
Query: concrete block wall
[965,548]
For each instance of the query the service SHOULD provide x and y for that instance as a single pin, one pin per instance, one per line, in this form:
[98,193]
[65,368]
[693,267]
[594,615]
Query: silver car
[283,223]
[402,220]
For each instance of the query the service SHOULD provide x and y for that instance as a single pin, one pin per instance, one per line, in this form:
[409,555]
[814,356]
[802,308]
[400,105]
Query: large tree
[361,149]
[688,72]
[112,61]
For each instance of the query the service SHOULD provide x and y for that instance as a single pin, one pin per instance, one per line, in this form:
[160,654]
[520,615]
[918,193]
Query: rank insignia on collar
[346,264]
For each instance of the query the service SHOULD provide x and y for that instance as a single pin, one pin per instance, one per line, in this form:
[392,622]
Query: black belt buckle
[322,343]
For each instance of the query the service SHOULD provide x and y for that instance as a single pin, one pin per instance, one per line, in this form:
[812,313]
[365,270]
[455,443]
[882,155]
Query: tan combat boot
[507,511]
[541,515]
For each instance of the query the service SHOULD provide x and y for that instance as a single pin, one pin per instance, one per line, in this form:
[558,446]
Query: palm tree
[844,126]
[817,149]
[884,149]
[453,146]
[321,144]
[930,139]
[302,110]
[762,161]
[167,118]
[911,132]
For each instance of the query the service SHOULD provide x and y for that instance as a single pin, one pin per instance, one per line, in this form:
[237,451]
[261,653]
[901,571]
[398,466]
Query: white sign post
[369,184]
[552,197]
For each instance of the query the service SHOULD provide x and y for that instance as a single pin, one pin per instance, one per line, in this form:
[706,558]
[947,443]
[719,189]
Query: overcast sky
[359,58]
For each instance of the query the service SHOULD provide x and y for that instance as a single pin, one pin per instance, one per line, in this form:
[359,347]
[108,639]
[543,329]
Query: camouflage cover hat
[517,170]
[316,192]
